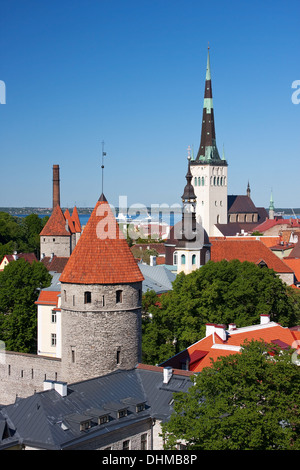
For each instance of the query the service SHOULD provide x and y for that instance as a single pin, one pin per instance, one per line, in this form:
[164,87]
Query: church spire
[208,149]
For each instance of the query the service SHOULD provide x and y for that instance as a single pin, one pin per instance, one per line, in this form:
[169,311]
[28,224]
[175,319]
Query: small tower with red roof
[101,293]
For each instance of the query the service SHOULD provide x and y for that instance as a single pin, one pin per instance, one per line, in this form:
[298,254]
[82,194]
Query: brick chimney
[56,186]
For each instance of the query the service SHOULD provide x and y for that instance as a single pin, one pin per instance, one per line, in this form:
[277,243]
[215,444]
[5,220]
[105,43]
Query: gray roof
[47,420]
[157,278]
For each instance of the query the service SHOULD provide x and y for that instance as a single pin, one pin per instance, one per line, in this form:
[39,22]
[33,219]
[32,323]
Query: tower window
[195,181]
[87,297]
[175,258]
[53,316]
[119,296]
[202,180]
[194,259]
[118,355]
[182,259]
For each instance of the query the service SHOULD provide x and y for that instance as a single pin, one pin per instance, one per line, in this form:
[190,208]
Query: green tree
[224,292]
[20,233]
[20,283]
[245,401]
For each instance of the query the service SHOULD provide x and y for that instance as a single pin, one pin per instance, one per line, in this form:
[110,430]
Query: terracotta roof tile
[102,254]
[75,218]
[56,225]
[48,298]
[244,249]
[68,218]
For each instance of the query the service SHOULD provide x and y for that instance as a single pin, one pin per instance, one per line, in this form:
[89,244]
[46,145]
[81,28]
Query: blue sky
[131,73]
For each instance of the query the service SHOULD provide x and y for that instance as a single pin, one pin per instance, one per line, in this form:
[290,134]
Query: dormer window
[122,413]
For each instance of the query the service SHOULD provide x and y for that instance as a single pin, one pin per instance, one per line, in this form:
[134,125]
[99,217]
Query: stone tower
[209,171]
[101,293]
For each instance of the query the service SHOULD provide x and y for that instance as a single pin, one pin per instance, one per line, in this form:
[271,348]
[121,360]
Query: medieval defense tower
[101,293]
[208,170]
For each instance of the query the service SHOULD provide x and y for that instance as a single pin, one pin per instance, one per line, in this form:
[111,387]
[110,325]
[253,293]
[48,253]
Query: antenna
[102,166]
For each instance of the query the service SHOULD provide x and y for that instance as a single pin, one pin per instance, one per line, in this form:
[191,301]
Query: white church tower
[209,171]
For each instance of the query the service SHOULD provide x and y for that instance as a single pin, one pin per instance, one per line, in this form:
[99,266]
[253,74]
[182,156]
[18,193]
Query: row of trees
[20,233]
[223,292]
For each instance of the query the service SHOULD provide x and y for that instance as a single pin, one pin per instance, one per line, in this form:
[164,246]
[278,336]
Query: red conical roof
[76,220]
[56,225]
[102,254]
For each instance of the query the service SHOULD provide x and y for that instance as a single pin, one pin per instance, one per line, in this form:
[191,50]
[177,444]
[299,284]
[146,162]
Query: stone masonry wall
[21,375]
[99,333]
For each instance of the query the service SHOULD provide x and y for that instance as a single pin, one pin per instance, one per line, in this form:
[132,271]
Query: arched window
[199,181]
[87,297]
[221,181]
[214,181]
[218,181]
[202,180]
[194,259]
[195,181]
[182,259]
[175,258]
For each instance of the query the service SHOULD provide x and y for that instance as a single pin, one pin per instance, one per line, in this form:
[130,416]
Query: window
[103,301]
[126,445]
[53,316]
[195,181]
[53,339]
[65,295]
[182,259]
[202,180]
[73,355]
[73,300]
[87,297]
[144,442]
[119,296]
[103,419]
[118,358]
[175,258]
[84,425]
[194,259]
[122,413]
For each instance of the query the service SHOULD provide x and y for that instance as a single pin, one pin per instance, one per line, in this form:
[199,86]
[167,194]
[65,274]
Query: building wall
[46,327]
[55,245]
[98,338]
[21,375]
[115,440]
[210,186]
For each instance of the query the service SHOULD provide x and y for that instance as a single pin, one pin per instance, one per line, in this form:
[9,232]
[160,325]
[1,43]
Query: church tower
[209,171]
[101,293]
[191,237]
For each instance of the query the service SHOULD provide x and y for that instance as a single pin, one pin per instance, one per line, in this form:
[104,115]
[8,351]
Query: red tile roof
[76,221]
[57,263]
[294,264]
[102,254]
[68,218]
[212,347]
[56,225]
[48,297]
[244,249]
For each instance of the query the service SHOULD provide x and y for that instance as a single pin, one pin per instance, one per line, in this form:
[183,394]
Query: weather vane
[102,166]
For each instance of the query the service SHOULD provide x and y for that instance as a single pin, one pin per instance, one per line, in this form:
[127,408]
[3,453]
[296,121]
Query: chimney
[152,260]
[220,330]
[264,319]
[232,326]
[59,387]
[56,186]
[168,371]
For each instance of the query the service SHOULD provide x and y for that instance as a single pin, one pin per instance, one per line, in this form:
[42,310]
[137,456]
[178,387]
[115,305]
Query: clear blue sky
[131,73]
